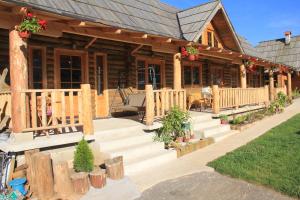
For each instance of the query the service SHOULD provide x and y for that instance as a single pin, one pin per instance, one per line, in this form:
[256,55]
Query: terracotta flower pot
[186,139]
[179,139]
[192,57]
[24,34]
[223,121]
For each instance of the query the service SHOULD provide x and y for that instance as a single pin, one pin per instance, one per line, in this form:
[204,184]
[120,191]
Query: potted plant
[30,24]
[224,119]
[192,52]
[83,164]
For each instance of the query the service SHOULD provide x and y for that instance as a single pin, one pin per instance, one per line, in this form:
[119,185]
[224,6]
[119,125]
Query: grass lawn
[272,160]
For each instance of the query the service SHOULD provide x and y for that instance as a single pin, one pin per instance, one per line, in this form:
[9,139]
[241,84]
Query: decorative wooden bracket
[3,85]
[136,49]
[90,43]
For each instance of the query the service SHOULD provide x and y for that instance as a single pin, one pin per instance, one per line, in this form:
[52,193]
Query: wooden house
[95,53]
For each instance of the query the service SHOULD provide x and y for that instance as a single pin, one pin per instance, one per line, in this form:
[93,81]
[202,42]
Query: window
[149,72]
[200,39]
[192,75]
[37,68]
[100,74]
[209,39]
[70,71]
[216,43]
[234,78]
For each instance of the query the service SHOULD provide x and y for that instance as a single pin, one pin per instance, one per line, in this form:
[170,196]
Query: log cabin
[95,54]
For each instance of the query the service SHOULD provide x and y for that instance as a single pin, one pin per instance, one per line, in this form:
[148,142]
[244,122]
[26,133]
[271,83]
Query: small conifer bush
[83,157]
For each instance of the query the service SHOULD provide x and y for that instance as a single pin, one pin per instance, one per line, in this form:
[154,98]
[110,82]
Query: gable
[214,39]
[194,22]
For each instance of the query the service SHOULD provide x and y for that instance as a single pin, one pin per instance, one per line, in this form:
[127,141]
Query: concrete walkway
[197,161]
[209,186]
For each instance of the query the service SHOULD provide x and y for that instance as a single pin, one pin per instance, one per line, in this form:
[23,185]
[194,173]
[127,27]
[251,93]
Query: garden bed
[187,148]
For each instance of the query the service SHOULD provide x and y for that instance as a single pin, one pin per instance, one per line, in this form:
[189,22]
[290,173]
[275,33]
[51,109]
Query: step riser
[126,142]
[211,132]
[134,153]
[200,119]
[146,164]
[206,124]
[224,136]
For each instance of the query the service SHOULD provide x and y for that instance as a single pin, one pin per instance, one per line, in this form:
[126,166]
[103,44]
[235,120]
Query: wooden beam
[90,43]
[136,49]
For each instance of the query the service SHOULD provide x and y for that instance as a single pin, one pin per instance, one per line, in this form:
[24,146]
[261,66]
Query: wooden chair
[199,98]
[136,103]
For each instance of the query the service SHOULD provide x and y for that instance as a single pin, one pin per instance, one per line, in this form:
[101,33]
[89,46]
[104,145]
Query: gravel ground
[209,186]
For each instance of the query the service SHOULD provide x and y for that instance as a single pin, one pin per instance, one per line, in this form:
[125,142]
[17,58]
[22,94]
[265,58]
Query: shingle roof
[151,16]
[192,20]
[278,51]
[248,48]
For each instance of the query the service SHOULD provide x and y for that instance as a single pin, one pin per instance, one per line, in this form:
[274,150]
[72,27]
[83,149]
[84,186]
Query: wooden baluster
[71,102]
[23,109]
[216,99]
[87,115]
[176,98]
[33,110]
[181,100]
[44,109]
[172,99]
[80,107]
[167,100]
[157,103]
[163,102]
[63,108]
[53,108]
[184,100]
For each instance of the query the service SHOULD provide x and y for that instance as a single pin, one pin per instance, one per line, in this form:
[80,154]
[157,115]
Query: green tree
[83,157]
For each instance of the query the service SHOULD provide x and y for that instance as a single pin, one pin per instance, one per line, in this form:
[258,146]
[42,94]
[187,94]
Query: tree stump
[115,168]
[43,175]
[62,180]
[98,178]
[80,183]
[30,172]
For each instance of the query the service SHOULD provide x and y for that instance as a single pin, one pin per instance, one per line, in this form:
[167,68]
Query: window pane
[65,62]
[196,75]
[141,75]
[187,75]
[76,62]
[65,75]
[65,85]
[100,74]
[75,85]
[37,65]
[216,43]
[37,58]
[209,38]
[154,76]
[37,85]
[76,76]
[37,75]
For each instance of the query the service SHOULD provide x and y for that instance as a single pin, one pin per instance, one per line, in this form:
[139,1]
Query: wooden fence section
[159,102]
[235,97]
[56,109]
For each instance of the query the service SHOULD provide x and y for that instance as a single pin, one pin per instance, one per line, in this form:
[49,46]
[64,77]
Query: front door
[101,92]
[217,77]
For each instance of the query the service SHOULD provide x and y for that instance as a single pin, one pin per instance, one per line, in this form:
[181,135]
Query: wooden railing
[56,109]
[280,89]
[159,102]
[5,108]
[235,97]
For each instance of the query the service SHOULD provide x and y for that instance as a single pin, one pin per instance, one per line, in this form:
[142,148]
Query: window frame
[149,61]
[43,49]
[69,52]
[193,65]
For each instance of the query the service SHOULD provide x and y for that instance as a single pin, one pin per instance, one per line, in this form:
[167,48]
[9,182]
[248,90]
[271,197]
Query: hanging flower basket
[191,52]
[192,57]
[30,24]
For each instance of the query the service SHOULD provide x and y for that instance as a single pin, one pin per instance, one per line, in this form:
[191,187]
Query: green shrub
[174,125]
[282,99]
[83,157]
[296,93]
[224,117]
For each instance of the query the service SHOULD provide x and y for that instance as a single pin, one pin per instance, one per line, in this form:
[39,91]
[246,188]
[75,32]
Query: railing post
[272,90]
[267,95]
[289,89]
[216,99]
[87,114]
[243,76]
[149,105]
[177,71]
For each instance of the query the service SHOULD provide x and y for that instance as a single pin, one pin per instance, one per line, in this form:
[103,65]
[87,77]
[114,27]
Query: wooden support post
[177,71]
[149,105]
[289,88]
[272,89]
[216,99]
[267,95]
[18,77]
[87,114]
[44,175]
[243,76]
[62,179]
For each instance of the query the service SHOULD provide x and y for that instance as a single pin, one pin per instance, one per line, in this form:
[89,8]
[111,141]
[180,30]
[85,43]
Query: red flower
[43,24]
[184,52]
[29,15]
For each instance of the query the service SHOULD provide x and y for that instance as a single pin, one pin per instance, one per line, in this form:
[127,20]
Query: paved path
[197,161]
[209,186]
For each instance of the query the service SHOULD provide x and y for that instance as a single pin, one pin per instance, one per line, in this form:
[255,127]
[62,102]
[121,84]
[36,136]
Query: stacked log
[62,180]
[98,178]
[80,183]
[115,168]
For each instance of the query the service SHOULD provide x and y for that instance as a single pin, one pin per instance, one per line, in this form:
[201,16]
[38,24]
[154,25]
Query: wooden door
[101,90]
[217,76]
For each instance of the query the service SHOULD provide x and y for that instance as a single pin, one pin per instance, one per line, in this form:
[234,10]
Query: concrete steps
[137,147]
[206,127]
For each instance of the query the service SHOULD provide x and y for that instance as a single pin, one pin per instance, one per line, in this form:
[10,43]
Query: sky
[257,20]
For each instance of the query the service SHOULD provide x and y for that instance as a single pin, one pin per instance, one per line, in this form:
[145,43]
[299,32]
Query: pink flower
[43,24]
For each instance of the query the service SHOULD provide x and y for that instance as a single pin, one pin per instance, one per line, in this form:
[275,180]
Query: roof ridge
[190,8]
[277,39]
